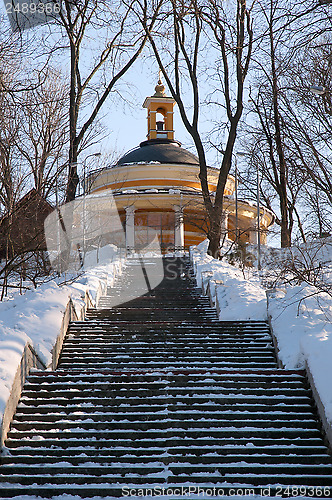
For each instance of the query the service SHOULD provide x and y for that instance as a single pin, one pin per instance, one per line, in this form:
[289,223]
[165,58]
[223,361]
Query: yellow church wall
[156,175]
[194,215]
[192,203]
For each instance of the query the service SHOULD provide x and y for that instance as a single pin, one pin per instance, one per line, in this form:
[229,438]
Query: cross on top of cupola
[160,114]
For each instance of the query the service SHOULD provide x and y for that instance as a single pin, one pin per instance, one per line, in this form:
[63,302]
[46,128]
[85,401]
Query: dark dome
[159,150]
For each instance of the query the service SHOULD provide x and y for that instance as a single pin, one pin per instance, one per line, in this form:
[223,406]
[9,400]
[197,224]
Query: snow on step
[157,392]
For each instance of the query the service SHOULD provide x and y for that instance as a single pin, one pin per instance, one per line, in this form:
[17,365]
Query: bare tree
[191,29]
[32,132]
[310,121]
[120,42]
[281,140]
[11,178]
[43,134]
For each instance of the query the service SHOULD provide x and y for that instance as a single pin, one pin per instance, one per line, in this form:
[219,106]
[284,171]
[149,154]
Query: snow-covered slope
[238,297]
[36,317]
[301,318]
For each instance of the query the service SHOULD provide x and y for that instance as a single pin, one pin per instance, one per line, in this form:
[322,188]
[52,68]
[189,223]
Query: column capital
[130,209]
[178,208]
[130,228]
[179,229]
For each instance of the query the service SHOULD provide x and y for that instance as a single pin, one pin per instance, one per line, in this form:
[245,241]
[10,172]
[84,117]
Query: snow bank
[300,318]
[302,323]
[236,297]
[36,317]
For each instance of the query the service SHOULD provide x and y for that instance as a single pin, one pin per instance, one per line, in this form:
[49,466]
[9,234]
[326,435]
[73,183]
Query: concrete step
[288,454]
[27,474]
[110,456]
[155,439]
[110,491]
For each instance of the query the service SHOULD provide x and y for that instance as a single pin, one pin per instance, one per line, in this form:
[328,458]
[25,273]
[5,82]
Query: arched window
[160,123]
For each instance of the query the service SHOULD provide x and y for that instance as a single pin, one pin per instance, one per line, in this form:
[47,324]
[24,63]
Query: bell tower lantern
[160,114]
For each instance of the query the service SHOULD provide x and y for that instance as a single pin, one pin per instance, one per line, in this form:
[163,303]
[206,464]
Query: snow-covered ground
[36,316]
[301,318]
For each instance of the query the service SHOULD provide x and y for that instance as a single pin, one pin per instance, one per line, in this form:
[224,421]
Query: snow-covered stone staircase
[158,393]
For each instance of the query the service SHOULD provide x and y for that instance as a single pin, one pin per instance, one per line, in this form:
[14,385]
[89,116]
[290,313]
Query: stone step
[233,452]
[161,366]
[172,356]
[171,361]
[41,473]
[264,376]
[137,350]
[109,457]
[157,389]
[198,303]
[218,401]
[195,331]
[256,476]
[32,406]
[110,491]
[271,418]
[212,328]
[85,340]
[150,430]
[184,332]
[143,381]
[143,345]
[155,439]
[132,311]
[217,326]
[180,338]
[236,363]
[167,423]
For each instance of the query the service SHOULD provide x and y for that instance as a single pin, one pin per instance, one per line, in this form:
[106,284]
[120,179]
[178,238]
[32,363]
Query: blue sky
[124,119]
[127,123]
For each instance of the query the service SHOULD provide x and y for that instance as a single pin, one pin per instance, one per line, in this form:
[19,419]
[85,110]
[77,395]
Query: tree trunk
[73,179]
[285,229]
[214,235]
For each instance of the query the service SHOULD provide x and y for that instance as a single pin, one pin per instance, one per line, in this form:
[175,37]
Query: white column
[253,233]
[130,228]
[179,228]
[224,224]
